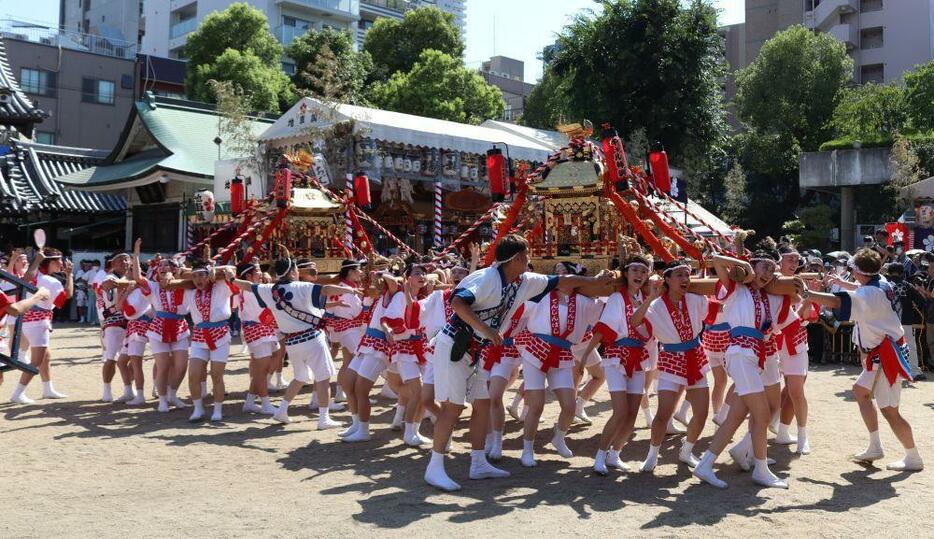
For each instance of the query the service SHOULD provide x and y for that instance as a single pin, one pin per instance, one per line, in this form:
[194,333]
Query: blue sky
[514,28]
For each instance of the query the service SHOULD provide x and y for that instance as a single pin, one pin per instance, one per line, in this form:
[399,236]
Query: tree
[771,164]
[651,64]
[328,66]
[870,111]
[543,108]
[812,228]
[794,85]
[919,96]
[906,170]
[439,86]
[736,194]
[395,45]
[262,86]
[236,45]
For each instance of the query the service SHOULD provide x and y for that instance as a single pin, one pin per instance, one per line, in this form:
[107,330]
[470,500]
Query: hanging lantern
[658,161]
[237,195]
[361,188]
[614,155]
[204,205]
[283,186]
[496,169]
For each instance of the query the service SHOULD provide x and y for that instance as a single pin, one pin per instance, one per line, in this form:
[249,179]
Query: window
[37,81]
[97,91]
[865,6]
[45,137]
[126,82]
[289,68]
[871,38]
[872,73]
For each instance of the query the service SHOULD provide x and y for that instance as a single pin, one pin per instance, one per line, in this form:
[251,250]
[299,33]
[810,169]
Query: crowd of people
[721,338]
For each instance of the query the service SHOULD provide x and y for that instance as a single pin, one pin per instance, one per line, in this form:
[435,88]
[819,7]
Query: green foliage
[236,45]
[812,228]
[396,46]
[736,194]
[263,86]
[870,110]
[544,107]
[906,170]
[439,86]
[771,164]
[651,64]
[793,86]
[328,67]
[919,95]
[240,27]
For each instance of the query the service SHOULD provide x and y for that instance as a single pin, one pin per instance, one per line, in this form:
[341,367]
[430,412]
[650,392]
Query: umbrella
[916,252]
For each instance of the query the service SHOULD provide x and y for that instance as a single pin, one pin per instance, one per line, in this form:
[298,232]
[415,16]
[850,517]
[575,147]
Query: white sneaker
[612,461]
[251,408]
[803,447]
[528,459]
[359,435]
[688,458]
[600,468]
[397,419]
[22,399]
[179,403]
[741,458]
[485,470]
[328,423]
[107,396]
[907,464]
[140,398]
[416,440]
[348,431]
[52,394]
[871,454]
[648,465]
[196,416]
[672,428]
[784,438]
[680,418]
[282,416]
[561,445]
[440,480]
[218,415]
[267,409]
[767,479]
[581,414]
[705,473]
[163,407]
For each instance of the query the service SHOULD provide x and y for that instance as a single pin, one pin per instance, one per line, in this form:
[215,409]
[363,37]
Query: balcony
[184,27]
[848,34]
[828,12]
[361,32]
[343,9]
[95,44]
[286,34]
[385,8]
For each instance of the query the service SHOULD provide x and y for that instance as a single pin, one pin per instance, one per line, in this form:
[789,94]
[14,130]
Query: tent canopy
[297,125]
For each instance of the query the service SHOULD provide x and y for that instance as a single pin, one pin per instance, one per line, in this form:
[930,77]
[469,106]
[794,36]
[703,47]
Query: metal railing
[184,27]
[350,7]
[8,362]
[39,33]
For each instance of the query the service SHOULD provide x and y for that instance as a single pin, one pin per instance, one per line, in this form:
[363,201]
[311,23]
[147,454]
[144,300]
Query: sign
[225,170]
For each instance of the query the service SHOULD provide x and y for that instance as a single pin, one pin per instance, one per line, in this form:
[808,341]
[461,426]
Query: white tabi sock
[874,441]
[19,390]
[722,413]
[323,414]
[683,410]
[107,392]
[250,399]
[783,430]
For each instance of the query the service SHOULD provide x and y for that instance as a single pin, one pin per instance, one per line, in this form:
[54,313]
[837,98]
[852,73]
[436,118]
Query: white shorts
[505,368]
[744,371]
[159,347]
[772,373]
[203,353]
[311,360]
[617,381]
[113,342]
[348,339]
[37,335]
[135,348]
[716,359]
[796,365]
[428,373]
[652,347]
[409,370]
[262,349]
[369,365]
[557,378]
[455,381]
[667,382]
[887,396]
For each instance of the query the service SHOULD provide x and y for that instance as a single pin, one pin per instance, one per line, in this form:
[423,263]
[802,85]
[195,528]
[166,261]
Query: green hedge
[846,143]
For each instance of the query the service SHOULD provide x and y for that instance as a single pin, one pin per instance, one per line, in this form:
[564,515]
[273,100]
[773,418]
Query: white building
[168,22]
[113,19]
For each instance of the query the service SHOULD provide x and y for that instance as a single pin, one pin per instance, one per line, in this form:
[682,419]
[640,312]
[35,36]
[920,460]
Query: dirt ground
[82,468]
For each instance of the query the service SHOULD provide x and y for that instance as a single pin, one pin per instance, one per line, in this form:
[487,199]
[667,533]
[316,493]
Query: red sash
[494,354]
[681,319]
[203,303]
[169,325]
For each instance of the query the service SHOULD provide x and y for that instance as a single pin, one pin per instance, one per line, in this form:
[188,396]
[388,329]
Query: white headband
[796,253]
[858,271]
[672,269]
[631,264]
[248,269]
[754,260]
[201,270]
[287,271]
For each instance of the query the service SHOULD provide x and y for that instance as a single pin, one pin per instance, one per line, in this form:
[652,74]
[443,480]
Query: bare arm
[464,312]
[20,307]
[827,300]
[731,269]
[704,287]
[34,266]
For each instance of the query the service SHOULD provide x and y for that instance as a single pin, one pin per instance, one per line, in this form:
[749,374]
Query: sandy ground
[82,468]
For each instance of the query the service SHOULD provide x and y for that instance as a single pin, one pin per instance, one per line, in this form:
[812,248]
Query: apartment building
[168,22]
[885,38]
[508,74]
[112,19]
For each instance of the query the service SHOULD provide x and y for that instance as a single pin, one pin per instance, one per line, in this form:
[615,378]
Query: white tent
[298,125]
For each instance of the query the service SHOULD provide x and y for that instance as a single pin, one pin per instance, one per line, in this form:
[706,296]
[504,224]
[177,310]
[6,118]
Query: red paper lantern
[237,195]
[496,170]
[659,163]
[283,187]
[361,189]
[614,154]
